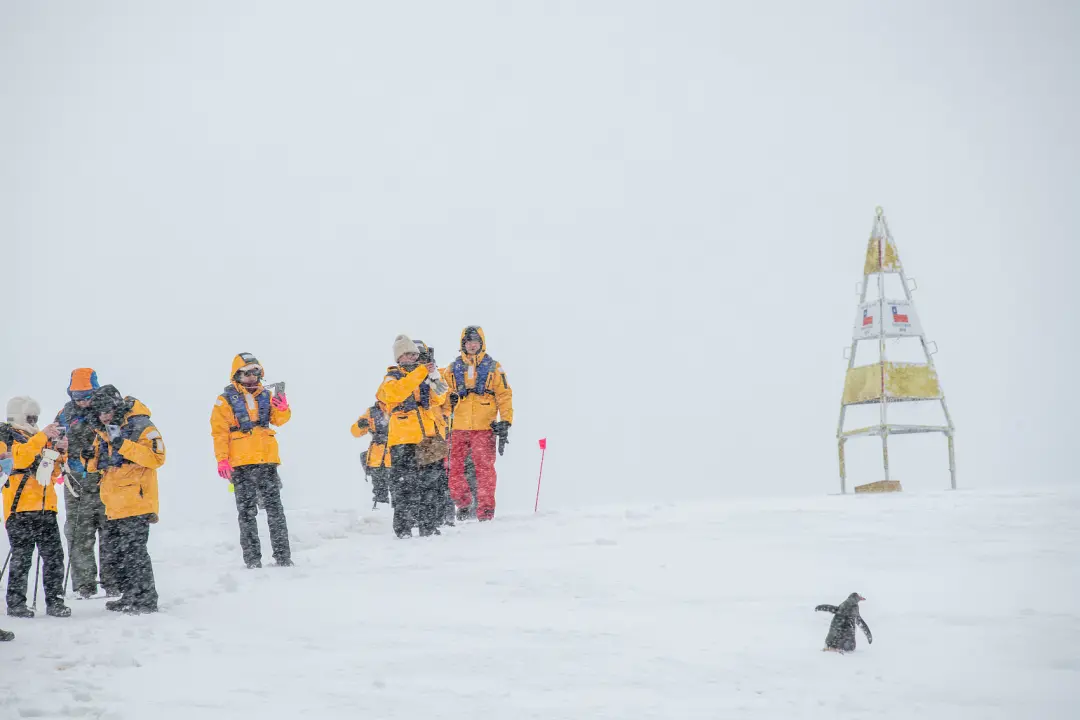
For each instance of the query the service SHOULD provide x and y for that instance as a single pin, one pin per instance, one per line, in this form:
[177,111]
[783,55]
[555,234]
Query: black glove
[362,423]
[502,431]
[454,400]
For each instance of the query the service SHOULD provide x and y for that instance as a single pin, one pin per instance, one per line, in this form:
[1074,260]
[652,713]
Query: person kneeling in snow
[30,506]
[416,438]
[128,450]
[247,453]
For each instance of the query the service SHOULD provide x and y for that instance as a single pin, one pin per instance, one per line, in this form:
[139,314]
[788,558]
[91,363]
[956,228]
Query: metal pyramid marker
[884,383]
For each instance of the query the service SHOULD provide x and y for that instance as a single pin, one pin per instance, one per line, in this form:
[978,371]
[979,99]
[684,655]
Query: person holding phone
[29,499]
[246,449]
[128,450]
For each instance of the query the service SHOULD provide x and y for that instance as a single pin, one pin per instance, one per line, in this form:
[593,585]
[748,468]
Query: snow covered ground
[670,611]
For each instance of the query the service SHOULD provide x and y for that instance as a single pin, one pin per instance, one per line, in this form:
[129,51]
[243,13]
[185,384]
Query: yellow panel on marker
[879,487]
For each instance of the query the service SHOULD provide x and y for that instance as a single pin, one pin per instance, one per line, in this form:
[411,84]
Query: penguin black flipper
[866,630]
[826,608]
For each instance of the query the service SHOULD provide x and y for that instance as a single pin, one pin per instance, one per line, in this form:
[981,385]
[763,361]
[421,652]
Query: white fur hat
[19,407]
[402,345]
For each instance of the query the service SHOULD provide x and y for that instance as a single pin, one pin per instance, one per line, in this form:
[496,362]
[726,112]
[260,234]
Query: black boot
[20,611]
[118,605]
[6,635]
[57,608]
[140,609]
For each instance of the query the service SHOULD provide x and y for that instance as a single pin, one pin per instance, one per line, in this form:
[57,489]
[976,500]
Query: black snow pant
[380,484]
[84,526]
[252,483]
[418,498]
[135,573]
[449,511]
[26,530]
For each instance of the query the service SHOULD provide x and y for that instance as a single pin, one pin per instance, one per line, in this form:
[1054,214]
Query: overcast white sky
[657,210]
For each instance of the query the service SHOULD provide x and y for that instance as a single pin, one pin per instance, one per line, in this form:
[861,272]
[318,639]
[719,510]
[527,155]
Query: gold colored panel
[862,384]
[911,381]
[879,486]
[892,258]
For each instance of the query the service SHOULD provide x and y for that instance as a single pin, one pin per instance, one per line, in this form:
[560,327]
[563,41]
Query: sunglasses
[255,373]
[31,419]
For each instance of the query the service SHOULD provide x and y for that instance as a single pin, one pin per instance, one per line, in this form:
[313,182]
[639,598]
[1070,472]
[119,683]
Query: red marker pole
[543,451]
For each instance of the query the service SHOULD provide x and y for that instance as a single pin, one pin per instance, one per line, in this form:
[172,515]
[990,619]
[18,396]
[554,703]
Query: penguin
[841,637]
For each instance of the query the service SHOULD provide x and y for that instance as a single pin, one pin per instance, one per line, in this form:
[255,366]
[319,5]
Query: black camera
[427,354]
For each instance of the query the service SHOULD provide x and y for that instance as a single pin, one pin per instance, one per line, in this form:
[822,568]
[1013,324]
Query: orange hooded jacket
[23,455]
[257,447]
[407,426]
[378,454]
[477,412]
[132,488]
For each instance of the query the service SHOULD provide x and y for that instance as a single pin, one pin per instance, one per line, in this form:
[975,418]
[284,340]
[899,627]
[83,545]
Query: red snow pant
[481,443]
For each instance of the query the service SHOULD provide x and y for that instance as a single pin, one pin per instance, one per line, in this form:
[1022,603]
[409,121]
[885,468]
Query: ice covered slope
[673,611]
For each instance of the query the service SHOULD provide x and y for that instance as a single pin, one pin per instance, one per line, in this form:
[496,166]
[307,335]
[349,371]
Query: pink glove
[280,402]
[224,469]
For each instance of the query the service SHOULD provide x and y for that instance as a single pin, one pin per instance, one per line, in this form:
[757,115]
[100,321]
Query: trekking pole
[5,565]
[37,544]
[37,572]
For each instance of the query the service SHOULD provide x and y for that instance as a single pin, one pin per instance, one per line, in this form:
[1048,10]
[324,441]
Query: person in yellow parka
[30,507]
[414,392]
[376,422]
[128,450]
[479,393]
[246,450]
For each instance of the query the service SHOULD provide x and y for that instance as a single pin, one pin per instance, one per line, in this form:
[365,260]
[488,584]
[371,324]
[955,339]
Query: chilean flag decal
[898,318]
[867,318]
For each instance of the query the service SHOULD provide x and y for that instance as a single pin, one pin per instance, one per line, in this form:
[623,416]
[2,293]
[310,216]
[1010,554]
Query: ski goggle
[255,372]
[31,419]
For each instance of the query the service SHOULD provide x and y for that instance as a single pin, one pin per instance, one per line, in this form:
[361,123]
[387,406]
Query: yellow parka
[129,485]
[410,421]
[24,456]
[378,454]
[472,411]
[257,447]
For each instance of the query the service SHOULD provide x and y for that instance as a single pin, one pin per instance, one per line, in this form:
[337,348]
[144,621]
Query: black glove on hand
[362,423]
[502,431]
